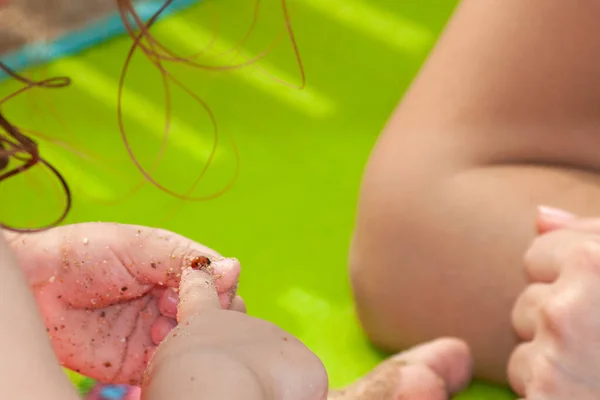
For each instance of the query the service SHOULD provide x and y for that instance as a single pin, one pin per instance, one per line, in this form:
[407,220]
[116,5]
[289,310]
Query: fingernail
[169,304]
[555,214]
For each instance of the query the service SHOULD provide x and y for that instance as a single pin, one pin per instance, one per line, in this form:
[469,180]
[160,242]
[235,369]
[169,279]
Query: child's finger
[238,304]
[431,371]
[550,218]
[197,293]
[449,358]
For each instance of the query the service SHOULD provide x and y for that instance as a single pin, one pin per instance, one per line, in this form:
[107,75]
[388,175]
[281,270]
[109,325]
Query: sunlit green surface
[289,216]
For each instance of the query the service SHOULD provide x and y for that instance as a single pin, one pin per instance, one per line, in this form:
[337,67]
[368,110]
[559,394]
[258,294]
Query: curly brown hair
[19,152]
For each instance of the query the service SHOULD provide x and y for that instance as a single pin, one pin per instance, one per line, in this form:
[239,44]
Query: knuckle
[531,297]
[532,372]
[585,256]
[538,255]
[556,314]
[544,376]
[518,368]
[531,255]
[524,310]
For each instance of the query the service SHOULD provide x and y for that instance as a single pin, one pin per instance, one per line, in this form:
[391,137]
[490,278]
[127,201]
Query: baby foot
[107,292]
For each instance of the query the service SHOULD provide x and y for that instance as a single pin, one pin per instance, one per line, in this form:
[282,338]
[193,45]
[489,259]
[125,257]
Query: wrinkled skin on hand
[103,291]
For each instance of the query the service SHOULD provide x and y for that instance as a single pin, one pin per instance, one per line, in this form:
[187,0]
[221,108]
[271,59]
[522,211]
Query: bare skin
[206,337]
[25,349]
[557,316]
[102,291]
[433,371]
[502,117]
[211,348]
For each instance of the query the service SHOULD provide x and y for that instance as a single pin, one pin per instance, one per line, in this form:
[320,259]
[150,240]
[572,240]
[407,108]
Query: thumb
[197,293]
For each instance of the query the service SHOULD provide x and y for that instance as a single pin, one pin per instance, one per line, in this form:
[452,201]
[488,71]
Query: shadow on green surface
[289,216]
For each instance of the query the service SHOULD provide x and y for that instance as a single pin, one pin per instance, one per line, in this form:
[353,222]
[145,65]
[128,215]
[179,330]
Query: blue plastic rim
[79,40]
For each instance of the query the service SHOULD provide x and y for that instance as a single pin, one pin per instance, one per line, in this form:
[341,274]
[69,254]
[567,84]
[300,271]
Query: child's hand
[557,314]
[102,291]
[225,355]
[220,354]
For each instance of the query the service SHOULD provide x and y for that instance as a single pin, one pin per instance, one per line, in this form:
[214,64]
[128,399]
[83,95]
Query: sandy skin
[433,371]
[277,366]
[554,316]
[106,294]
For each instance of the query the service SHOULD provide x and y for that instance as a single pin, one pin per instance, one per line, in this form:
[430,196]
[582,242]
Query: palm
[108,338]
[102,298]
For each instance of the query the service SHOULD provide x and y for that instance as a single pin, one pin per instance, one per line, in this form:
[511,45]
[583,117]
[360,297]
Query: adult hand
[103,291]
[557,314]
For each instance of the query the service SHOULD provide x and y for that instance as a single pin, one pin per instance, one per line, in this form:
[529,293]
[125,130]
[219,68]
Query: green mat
[289,216]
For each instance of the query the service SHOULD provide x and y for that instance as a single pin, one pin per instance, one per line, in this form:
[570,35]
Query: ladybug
[200,262]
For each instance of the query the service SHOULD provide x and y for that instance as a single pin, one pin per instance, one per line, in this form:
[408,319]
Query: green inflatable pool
[289,216]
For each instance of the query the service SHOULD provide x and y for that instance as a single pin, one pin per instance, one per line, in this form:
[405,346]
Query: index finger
[197,293]
[148,255]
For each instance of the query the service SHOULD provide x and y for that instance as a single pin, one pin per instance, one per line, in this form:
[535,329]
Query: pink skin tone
[557,316]
[135,394]
[79,273]
[432,371]
[106,294]
[106,291]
